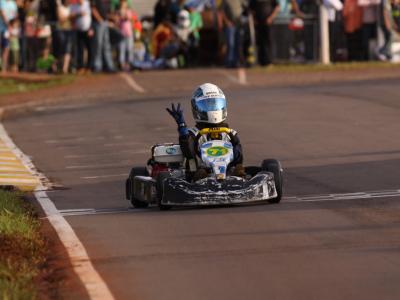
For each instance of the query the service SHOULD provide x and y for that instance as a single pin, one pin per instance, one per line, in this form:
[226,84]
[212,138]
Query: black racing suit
[190,145]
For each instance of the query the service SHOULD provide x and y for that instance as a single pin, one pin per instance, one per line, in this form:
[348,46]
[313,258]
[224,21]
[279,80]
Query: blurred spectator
[161,37]
[352,16]
[126,44]
[196,22]
[46,60]
[116,4]
[82,19]
[48,17]
[102,47]
[396,14]
[162,12]
[335,26]
[31,27]
[175,7]
[184,37]
[264,12]
[309,10]
[211,36]
[232,11]
[21,6]
[296,25]
[8,12]
[387,25]
[14,31]
[65,34]
[369,29]
[182,28]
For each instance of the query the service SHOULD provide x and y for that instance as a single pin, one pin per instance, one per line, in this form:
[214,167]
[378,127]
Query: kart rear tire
[274,166]
[160,189]
[136,171]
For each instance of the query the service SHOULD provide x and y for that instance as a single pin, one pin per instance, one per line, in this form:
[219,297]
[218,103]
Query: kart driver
[209,111]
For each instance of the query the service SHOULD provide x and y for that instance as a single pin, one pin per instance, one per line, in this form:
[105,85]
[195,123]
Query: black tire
[136,171]
[252,170]
[160,189]
[274,166]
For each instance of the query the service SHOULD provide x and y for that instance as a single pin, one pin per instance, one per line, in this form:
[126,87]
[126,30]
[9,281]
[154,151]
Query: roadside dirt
[57,280]
[92,87]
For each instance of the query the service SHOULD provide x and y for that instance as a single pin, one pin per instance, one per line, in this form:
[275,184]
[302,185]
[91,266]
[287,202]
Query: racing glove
[177,114]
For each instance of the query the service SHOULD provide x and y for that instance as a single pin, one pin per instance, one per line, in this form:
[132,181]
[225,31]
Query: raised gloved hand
[177,114]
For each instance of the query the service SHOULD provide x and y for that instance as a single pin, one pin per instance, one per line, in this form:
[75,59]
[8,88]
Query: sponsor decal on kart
[170,151]
[217,151]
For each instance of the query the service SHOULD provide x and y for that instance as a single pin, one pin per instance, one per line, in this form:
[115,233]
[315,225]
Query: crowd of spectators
[107,35]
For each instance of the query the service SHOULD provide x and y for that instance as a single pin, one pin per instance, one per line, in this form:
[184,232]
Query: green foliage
[22,251]
[9,86]
[345,66]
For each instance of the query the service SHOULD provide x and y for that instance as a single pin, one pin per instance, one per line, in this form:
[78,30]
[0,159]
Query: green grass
[22,248]
[347,66]
[10,86]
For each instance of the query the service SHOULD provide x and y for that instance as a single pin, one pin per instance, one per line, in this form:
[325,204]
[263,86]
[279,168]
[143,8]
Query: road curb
[14,169]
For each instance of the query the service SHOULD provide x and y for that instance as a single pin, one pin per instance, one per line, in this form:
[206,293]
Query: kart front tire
[252,170]
[136,171]
[274,166]
[160,190]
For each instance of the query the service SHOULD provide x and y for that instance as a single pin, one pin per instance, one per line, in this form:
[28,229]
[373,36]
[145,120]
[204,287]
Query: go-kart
[165,181]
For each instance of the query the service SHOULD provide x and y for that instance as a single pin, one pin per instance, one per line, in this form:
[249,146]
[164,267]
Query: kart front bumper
[209,191]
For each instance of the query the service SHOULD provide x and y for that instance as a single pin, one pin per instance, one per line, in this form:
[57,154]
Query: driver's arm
[237,147]
[188,143]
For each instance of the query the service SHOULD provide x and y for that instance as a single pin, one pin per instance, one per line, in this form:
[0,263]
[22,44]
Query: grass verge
[10,86]
[22,248]
[346,66]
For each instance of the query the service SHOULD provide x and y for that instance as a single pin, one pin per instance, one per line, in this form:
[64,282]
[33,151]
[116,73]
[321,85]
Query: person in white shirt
[82,20]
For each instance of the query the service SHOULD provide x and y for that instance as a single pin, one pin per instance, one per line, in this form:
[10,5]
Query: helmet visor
[211,104]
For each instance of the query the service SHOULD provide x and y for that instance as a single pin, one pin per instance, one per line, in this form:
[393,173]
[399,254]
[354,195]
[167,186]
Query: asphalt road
[333,140]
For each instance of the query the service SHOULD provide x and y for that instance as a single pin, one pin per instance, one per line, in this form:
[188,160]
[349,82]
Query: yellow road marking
[16,181]
[13,172]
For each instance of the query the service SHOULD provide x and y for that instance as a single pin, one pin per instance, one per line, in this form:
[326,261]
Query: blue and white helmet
[209,104]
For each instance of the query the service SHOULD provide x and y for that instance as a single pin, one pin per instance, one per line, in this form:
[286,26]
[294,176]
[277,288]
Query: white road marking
[240,79]
[58,107]
[345,196]
[74,156]
[242,76]
[229,76]
[77,167]
[121,144]
[75,139]
[105,176]
[94,284]
[132,83]
[101,211]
